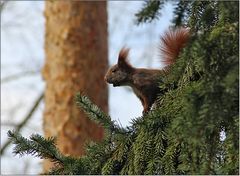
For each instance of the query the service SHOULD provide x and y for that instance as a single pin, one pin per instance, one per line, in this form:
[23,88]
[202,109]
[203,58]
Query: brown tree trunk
[76,60]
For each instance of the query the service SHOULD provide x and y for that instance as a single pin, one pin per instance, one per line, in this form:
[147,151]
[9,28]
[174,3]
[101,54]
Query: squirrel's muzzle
[105,78]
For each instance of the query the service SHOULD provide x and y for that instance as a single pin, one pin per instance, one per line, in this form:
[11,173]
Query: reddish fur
[123,59]
[123,54]
[144,82]
[171,44]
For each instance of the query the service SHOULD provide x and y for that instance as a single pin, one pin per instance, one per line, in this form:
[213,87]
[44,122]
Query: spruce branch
[149,12]
[96,114]
[36,146]
[43,148]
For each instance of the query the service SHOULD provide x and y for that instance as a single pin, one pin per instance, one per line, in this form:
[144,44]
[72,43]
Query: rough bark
[76,60]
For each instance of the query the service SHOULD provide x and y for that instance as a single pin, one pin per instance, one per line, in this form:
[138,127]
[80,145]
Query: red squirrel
[145,82]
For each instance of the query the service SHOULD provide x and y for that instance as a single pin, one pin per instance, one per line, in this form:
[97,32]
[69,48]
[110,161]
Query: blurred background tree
[76,60]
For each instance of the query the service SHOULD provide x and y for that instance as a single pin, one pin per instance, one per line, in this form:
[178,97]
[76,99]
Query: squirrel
[145,82]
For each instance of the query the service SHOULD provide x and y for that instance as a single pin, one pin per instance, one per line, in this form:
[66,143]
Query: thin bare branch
[25,120]
[19,75]
[2,5]
[11,124]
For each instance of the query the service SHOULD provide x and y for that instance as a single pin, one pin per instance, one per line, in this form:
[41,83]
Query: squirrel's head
[120,73]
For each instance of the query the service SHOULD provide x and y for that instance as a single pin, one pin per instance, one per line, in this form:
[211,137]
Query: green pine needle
[36,146]
[97,115]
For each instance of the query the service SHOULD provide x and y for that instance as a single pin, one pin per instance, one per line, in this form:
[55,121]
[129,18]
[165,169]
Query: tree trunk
[76,60]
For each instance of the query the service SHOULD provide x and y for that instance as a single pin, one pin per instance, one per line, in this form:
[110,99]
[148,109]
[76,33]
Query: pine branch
[149,12]
[36,146]
[43,148]
[97,115]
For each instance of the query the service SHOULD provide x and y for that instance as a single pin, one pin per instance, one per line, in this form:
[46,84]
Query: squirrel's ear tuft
[123,58]
[123,54]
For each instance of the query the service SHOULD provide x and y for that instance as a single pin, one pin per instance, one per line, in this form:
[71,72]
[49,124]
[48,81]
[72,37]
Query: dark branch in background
[18,75]
[150,11]
[25,120]
[11,124]
[2,5]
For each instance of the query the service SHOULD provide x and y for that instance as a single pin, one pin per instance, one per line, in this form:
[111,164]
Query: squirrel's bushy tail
[171,44]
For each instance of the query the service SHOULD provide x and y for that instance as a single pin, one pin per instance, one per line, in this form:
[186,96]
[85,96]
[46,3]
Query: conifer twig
[97,114]
[36,146]
[45,148]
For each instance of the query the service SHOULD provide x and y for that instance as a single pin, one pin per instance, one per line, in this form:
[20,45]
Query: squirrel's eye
[113,70]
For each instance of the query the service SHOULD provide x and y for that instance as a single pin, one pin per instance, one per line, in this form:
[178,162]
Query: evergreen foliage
[45,149]
[150,11]
[97,115]
[194,128]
